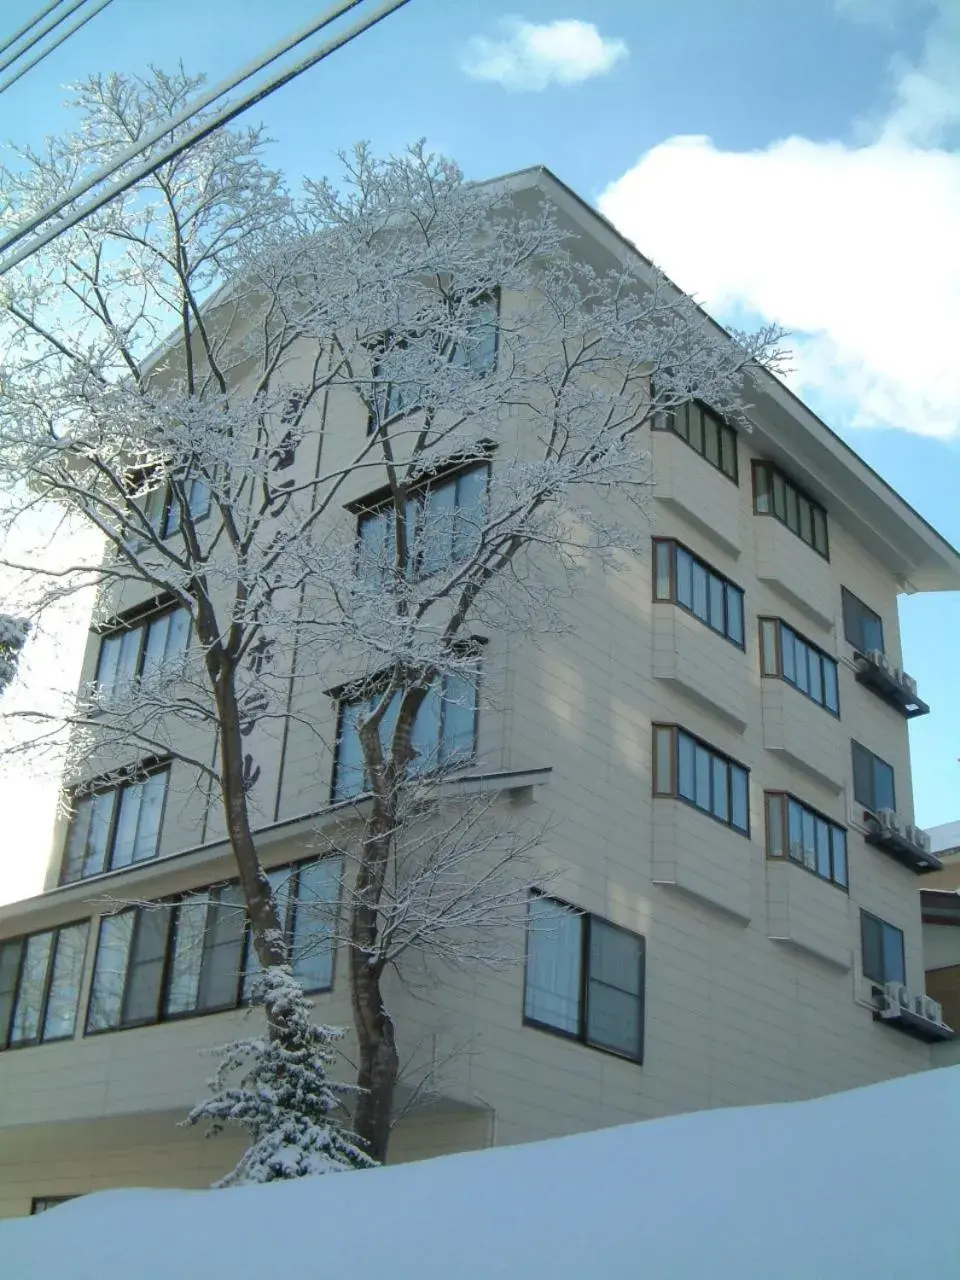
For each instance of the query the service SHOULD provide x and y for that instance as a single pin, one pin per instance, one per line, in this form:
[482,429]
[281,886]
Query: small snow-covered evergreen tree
[293,1115]
[13,634]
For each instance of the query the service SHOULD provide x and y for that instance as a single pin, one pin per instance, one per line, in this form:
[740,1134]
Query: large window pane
[762,503]
[663,552]
[768,647]
[554,962]
[471,514]
[883,784]
[25,1027]
[700,596]
[831,693]
[739,791]
[459,718]
[717,620]
[190,926]
[838,839]
[735,614]
[349,772]
[711,439]
[436,533]
[282,882]
[695,425]
[801,664]
[721,800]
[223,950]
[663,780]
[702,767]
[10,954]
[815,668]
[141,1000]
[823,849]
[894,967]
[788,655]
[113,949]
[871,938]
[795,831]
[862,776]
[728,452]
[314,922]
[684,578]
[775,826]
[425,736]
[614,1003]
[61,1013]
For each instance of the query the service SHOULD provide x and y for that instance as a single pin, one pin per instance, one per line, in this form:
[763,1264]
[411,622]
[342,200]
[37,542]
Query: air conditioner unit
[908,684]
[889,819]
[928,1008]
[878,659]
[919,837]
[896,999]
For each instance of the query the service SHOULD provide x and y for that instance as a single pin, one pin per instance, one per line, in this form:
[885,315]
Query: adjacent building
[717,752]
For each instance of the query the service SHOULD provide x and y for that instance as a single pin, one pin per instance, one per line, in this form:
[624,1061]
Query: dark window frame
[381,503]
[884,926]
[96,787]
[170,904]
[385,393]
[794,497]
[849,604]
[674,545]
[141,618]
[6,1046]
[677,422]
[159,501]
[785,798]
[40,1204]
[672,790]
[344,701]
[581,1035]
[780,674]
[874,760]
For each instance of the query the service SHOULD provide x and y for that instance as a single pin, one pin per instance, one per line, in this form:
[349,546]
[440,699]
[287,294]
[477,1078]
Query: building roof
[920,558]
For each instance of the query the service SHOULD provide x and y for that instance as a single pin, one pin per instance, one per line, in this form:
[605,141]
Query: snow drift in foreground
[860,1184]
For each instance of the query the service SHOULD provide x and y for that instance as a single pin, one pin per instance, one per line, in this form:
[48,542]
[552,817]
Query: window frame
[344,702]
[171,905]
[674,545]
[140,618]
[856,746]
[777,480]
[667,419]
[780,674]
[6,1032]
[581,1035]
[381,503]
[672,791]
[785,798]
[40,1204]
[849,602]
[96,787]
[884,926]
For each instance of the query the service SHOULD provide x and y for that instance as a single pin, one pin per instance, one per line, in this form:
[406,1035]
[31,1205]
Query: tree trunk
[379,1062]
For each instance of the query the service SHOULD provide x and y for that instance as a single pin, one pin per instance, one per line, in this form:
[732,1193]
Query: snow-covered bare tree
[13,634]
[437,357]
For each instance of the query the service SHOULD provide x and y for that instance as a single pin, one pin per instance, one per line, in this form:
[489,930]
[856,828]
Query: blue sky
[791,159]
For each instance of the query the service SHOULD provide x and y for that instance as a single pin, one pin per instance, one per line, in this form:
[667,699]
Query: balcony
[908,844]
[701,858]
[689,487]
[803,734]
[795,572]
[808,914]
[700,665]
[895,687]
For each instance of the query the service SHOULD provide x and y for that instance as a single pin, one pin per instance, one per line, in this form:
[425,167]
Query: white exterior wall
[753,986]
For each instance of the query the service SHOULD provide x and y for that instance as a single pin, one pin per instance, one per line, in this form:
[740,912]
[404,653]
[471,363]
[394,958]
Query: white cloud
[530,56]
[854,248]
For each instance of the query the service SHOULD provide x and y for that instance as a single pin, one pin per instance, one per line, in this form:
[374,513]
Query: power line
[76,4]
[53,45]
[37,17]
[192,109]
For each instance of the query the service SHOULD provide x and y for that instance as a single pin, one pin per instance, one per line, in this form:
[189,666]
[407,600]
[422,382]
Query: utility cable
[37,17]
[4,85]
[17,54]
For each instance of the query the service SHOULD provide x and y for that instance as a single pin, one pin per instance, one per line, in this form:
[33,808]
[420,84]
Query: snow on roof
[856,1184]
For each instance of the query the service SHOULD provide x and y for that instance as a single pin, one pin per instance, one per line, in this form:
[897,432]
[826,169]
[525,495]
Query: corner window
[584,978]
[685,580]
[40,979]
[797,832]
[444,732]
[775,495]
[443,521]
[882,950]
[691,770]
[163,509]
[115,826]
[785,653]
[138,644]
[195,954]
[873,785]
[706,433]
[862,627]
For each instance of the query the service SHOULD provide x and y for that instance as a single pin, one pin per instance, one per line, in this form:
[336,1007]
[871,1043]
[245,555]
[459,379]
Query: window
[40,985]
[195,954]
[162,508]
[690,770]
[116,826]
[443,521]
[138,643]
[882,950]
[40,1204]
[785,653]
[686,580]
[399,391]
[705,432]
[584,978]
[872,780]
[862,627]
[775,495]
[444,732]
[799,833]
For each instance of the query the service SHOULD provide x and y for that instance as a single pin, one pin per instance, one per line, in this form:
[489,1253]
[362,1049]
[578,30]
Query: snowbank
[860,1184]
